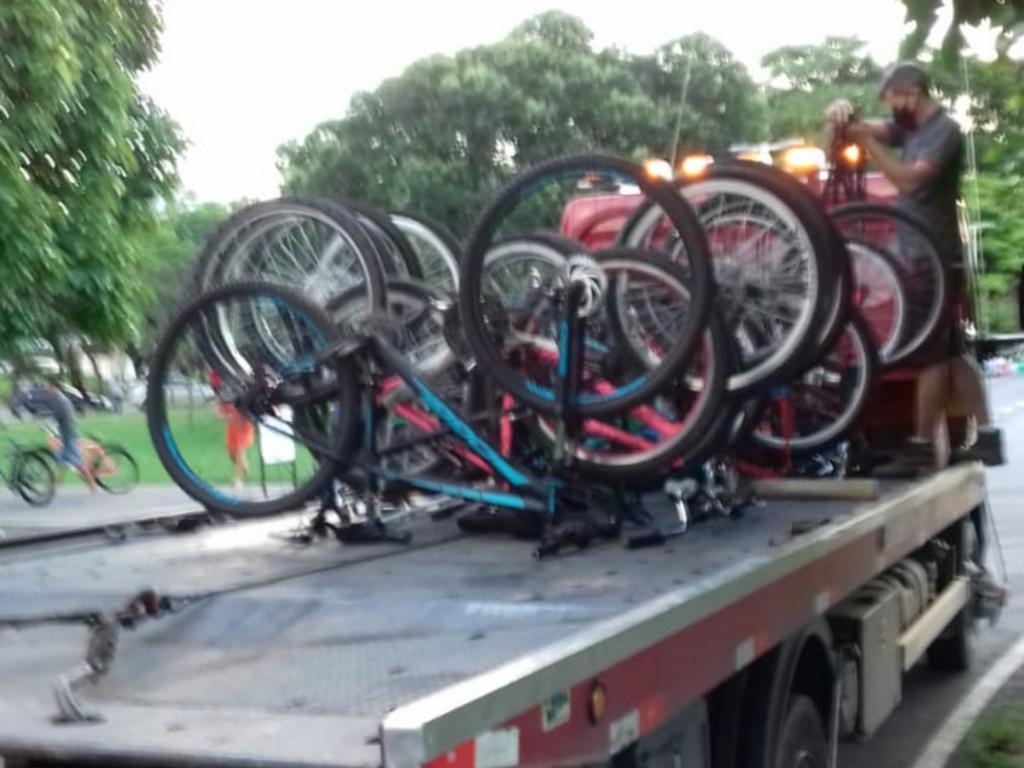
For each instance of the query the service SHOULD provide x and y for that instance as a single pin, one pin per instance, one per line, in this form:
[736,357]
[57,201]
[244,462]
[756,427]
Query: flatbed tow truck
[757,640]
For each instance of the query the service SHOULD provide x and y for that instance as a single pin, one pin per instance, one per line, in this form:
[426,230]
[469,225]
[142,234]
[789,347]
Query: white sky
[244,76]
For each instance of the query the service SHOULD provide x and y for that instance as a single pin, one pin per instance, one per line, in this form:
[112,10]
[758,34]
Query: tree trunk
[100,388]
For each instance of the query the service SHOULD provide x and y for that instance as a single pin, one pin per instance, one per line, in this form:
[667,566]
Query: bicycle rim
[286,409]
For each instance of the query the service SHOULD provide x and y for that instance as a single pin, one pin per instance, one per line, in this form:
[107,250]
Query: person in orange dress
[239,433]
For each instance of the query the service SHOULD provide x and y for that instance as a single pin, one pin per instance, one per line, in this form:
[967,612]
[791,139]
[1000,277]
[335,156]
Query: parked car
[178,389]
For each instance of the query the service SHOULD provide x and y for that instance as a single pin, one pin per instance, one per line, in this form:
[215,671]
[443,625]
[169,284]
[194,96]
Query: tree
[805,79]
[83,157]
[1006,15]
[166,269]
[440,137]
[1001,213]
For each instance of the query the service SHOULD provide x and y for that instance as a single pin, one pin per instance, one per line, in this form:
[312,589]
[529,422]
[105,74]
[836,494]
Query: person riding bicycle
[927,177]
[65,444]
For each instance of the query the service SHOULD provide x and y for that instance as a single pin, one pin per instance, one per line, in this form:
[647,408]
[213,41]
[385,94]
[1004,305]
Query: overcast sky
[244,76]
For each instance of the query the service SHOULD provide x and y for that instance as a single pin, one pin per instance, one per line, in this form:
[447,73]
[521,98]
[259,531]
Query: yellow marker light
[657,168]
[803,159]
[695,165]
[852,154]
[597,703]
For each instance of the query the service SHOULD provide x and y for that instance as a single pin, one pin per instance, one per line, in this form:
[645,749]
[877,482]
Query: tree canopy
[1006,15]
[804,79]
[83,156]
[439,137]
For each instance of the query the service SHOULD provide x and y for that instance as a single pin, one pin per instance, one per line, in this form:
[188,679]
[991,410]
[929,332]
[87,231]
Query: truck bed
[415,648]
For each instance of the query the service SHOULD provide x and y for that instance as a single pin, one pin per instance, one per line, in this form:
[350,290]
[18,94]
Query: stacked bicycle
[550,369]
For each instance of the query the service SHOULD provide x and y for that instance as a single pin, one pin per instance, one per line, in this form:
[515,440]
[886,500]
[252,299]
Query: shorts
[71,455]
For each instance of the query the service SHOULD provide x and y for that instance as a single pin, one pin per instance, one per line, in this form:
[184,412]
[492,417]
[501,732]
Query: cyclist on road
[66,446]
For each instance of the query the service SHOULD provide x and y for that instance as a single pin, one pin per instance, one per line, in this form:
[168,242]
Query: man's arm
[906,177]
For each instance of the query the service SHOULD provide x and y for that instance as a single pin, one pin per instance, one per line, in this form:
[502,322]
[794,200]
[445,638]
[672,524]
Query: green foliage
[169,258]
[807,78]
[1001,209]
[83,156]
[996,740]
[1003,14]
[441,136]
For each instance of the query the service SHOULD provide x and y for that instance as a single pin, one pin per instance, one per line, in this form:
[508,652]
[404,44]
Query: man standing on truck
[927,177]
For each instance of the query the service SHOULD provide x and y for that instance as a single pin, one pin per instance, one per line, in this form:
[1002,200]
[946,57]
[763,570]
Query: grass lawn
[996,740]
[199,438]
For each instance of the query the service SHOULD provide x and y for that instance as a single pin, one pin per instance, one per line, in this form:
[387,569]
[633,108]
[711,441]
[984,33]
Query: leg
[969,386]
[933,390]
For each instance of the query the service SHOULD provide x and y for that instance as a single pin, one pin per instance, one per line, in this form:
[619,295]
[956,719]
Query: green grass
[997,740]
[199,438]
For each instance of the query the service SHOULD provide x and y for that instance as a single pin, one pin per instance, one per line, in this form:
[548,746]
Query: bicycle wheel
[284,415]
[669,428]
[312,245]
[34,478]
[120,475]
[395,252]
[879,297]
[437,250]
[420,334]
[818,409]
[502,336]
[773,256]
[916,255]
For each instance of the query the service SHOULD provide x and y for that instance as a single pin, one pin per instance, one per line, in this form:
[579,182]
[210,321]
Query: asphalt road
[928,697]
[75,507]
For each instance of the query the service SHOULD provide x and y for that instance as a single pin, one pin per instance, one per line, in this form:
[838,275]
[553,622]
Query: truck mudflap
[587,697]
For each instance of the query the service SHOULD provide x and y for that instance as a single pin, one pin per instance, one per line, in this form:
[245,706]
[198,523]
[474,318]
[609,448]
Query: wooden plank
[797,488]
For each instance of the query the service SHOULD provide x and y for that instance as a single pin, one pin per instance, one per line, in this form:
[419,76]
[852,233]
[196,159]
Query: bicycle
[563,351]
[112,467]
[27,472]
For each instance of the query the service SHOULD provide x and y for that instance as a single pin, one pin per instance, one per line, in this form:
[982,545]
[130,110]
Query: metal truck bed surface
[421,650]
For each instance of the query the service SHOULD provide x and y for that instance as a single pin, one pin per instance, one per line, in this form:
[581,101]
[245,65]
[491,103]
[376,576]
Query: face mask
[904,117]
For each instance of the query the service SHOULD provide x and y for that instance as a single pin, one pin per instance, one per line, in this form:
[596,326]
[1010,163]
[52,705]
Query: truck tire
[802,742]
[952,651]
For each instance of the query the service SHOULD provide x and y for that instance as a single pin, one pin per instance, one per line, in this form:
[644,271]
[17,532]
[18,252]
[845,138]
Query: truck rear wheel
[952,650]
[802,742]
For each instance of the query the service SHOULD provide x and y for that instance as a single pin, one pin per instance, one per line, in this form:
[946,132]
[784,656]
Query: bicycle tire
[394,250]
[922,324]
[345,395]
[700,282]
[249,222]
[438,239]
[807,444]
[793,206]
[127,470]
[691,440]
[36,496]
[886,333]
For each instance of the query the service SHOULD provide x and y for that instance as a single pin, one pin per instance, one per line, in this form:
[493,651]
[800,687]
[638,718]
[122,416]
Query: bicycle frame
[525,492]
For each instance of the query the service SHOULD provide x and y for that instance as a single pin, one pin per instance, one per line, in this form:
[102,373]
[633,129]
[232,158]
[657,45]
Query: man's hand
[859,132]
[839,112]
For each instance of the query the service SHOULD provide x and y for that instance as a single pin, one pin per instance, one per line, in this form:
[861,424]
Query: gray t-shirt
[938,142]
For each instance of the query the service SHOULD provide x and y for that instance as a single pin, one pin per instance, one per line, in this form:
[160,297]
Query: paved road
[75,507]
[929,697]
